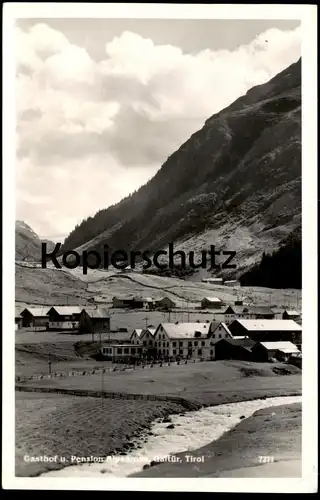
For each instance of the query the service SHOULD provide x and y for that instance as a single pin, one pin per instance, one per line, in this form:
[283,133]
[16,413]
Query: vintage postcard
[160,257]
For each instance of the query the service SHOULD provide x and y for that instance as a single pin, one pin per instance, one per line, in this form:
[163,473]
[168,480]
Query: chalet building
[164,303]
[267,330]
[291,315]
[121,352]
[94,320]
[64,317]
[35,317]
[234,348]
[232,313]
[264,351]
[211,303]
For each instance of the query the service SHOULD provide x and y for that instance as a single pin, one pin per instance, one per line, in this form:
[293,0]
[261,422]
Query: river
[191,430]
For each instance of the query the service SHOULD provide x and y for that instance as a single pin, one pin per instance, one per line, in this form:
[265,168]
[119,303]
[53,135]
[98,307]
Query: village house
[287,314]
[132,302]
[267,330]
[121,352]
[64,317]
[264,351]
[234,312]
[94,320]
[35,317]
[234,348]
[211,303]
[164,303]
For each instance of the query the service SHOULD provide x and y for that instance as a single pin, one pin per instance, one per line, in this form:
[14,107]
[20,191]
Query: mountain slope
[28,243]
[235,183]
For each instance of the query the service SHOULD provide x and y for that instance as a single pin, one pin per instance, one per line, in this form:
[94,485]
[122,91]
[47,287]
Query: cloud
[133,109]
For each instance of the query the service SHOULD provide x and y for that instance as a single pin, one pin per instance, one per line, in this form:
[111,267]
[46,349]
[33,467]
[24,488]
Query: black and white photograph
[161,241]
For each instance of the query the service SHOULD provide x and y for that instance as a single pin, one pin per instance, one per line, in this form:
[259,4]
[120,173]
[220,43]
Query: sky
[102,103]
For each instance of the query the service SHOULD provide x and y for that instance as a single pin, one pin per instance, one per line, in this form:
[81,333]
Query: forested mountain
[281,269]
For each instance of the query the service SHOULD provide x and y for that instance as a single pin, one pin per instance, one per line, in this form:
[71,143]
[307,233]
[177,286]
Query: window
[167,344]
[174,344]
[163,344]
[174,352]
[144,343]
[180,343]
[181,352]
[119,350]
[126,350]
[133,350]
[203,343]
[150,342]
[211,343]
[199,352]
[211,352]
[195,342]
[220,335]
[189,344]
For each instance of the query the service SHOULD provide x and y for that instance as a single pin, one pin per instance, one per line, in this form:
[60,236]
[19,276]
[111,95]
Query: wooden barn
[239,348]
[164,303]
[94,320]
[264,351]
[267,330]
[35,317]
[211,303]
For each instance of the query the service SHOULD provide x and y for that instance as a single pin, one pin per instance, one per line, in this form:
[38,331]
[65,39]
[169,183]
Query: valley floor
[56,424]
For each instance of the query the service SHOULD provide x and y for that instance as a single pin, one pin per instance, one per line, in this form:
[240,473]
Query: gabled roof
[240,342]
[292,313]
[252,325]
[215,324]
[280,346]
[235,309]
[185,330]
[159,299]
[138,332]
[66,310]
[36,312]
[126,297]
[99,312]
[212,299]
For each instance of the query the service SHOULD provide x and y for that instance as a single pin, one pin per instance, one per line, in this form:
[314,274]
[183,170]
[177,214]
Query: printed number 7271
[266,460]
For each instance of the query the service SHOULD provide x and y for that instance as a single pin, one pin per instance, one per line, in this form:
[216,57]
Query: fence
[189,405]
[118,368]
